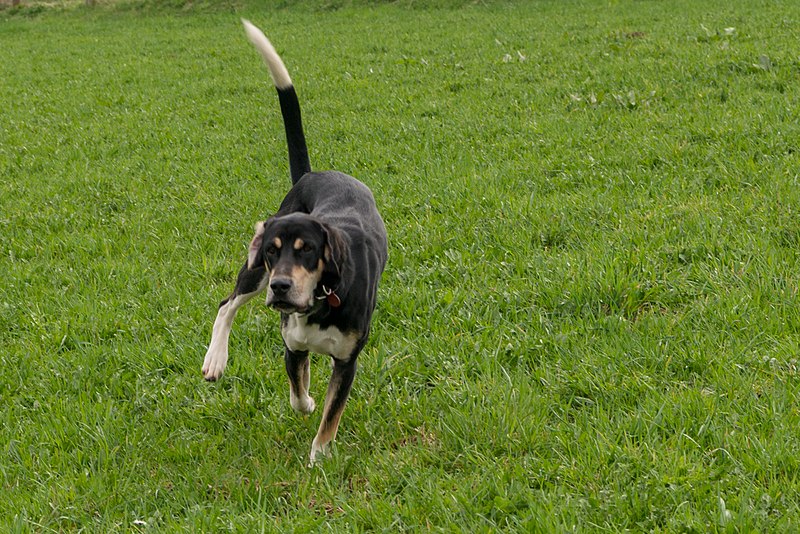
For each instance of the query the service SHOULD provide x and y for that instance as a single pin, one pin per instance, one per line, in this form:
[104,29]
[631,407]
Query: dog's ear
[334,256]
[255,254]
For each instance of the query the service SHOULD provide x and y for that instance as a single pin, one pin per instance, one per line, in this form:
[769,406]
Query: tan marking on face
[277,242]
[298,243]
[305,281]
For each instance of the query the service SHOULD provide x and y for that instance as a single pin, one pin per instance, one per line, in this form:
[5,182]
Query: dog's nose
[280,286]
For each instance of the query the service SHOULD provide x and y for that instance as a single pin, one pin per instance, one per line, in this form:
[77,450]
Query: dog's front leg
[299,370]
[338,390]
[249,283]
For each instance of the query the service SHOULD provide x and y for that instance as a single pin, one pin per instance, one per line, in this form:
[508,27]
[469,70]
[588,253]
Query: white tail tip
[277,70]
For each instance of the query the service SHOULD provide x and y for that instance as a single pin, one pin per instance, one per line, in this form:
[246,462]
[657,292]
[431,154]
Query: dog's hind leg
[249,283]
[299,370]
[338,390]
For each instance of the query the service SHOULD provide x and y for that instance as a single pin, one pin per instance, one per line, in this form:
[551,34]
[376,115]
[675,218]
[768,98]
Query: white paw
[318,453]
[302,405]
[215,362]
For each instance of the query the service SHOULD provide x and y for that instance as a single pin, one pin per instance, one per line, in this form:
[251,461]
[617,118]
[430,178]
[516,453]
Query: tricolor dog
[319,260]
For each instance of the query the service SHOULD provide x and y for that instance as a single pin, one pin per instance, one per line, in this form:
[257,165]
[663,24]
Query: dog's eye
[307,248]
[272,250]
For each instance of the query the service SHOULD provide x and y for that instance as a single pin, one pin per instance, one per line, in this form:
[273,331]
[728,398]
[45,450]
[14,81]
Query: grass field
[590,318]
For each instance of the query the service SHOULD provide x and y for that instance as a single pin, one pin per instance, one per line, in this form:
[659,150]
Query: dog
[319,259]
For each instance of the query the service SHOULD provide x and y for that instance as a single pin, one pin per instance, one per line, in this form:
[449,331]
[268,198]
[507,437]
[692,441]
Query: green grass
[590,316]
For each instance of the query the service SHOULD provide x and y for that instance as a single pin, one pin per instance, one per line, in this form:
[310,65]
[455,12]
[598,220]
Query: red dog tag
[333,300]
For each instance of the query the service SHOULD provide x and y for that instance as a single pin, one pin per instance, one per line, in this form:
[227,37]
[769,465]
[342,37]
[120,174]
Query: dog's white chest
[301,336]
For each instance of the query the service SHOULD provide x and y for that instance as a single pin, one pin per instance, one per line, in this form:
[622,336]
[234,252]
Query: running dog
[319,259]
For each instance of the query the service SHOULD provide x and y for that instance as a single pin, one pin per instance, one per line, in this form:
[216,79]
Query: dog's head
[299,253]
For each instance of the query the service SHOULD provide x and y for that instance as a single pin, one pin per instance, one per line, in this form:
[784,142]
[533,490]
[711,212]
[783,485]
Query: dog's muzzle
[282,296]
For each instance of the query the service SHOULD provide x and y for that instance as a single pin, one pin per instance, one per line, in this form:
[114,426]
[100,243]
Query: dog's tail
[290,106]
